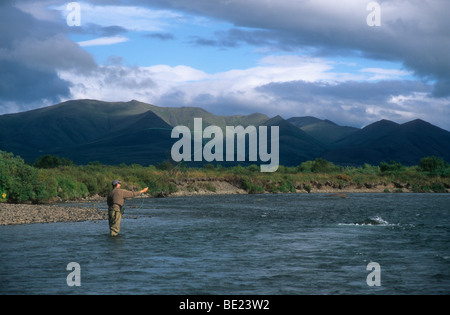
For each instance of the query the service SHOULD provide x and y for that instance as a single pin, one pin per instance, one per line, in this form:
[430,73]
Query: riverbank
[13,214]
[212,186]
[215,187]
[23,183]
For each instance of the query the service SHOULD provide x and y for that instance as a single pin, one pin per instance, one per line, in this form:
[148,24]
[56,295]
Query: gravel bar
[13,214]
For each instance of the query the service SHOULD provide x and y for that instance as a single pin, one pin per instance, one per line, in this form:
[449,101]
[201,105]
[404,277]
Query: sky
[353,62]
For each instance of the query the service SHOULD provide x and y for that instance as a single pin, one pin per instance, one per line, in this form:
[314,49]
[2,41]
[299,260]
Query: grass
[20,182]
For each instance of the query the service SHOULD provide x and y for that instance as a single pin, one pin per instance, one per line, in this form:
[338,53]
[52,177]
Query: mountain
[109,132]
[136,132]
[184,116]
[325,131]
[146,141]
[296,146]
[65,128]
[386,140]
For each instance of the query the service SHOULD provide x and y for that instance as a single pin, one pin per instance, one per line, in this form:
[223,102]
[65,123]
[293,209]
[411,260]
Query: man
[115,202]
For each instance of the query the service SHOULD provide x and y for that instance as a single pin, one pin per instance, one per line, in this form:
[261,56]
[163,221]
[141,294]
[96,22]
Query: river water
[282,244]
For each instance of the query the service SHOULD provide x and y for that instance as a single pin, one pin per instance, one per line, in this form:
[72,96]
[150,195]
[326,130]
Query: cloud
[102,41]
[416,33]
[285,85]
[383,74]
[51,52]
[236,37]
[343,92]
[97,30]
[355,103]
[160,36]
[111,83]
[31,52]
[129,17]
[301,41]
[183,85]
[22,84]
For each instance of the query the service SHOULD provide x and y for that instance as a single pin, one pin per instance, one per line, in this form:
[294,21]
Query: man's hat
[116,181]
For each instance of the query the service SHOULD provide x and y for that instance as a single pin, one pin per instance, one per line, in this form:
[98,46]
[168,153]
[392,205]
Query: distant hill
[184,116]
[325,131]
[146,141]
[295,144]
[109,132]
[386,140]
[65,128]
[136,132]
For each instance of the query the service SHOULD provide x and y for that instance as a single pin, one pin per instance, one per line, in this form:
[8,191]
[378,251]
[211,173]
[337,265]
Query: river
[274,244]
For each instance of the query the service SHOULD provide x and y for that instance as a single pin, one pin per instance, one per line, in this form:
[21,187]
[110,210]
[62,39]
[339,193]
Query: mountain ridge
[325,130]
[386,140]
[136,132]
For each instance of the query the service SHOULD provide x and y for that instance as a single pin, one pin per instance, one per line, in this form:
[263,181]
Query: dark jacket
[116,198]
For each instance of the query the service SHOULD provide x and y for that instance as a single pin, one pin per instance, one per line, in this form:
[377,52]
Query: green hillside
[135,132]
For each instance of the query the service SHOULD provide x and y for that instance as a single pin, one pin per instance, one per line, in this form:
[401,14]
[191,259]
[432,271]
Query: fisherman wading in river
[115,205]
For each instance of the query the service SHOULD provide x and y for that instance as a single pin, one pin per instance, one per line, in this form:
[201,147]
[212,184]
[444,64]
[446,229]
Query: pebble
[13,214]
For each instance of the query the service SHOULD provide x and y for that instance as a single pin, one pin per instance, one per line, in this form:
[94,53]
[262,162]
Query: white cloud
[177,74]
[323,28]
[132,18]
[322,92]
[385,74]
[421,105]
[102,41]
[104,83]
[38,9]
[412,32]
[111,83]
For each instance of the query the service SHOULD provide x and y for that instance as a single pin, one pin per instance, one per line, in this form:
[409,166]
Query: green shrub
[431,164]
[47,188]
[165,166]
[305,167]
[250,186]
[50,161]
[438,187]
[287,186]
[308,188]
[18,181]
[392,166]
[69,188]
[253,168]
[208,167]
[323,166]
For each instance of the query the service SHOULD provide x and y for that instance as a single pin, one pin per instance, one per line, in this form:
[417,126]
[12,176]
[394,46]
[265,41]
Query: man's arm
[131,194]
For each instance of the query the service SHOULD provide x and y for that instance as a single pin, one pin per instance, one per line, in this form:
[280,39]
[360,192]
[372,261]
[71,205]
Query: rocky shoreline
[13,214]
[211,186]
